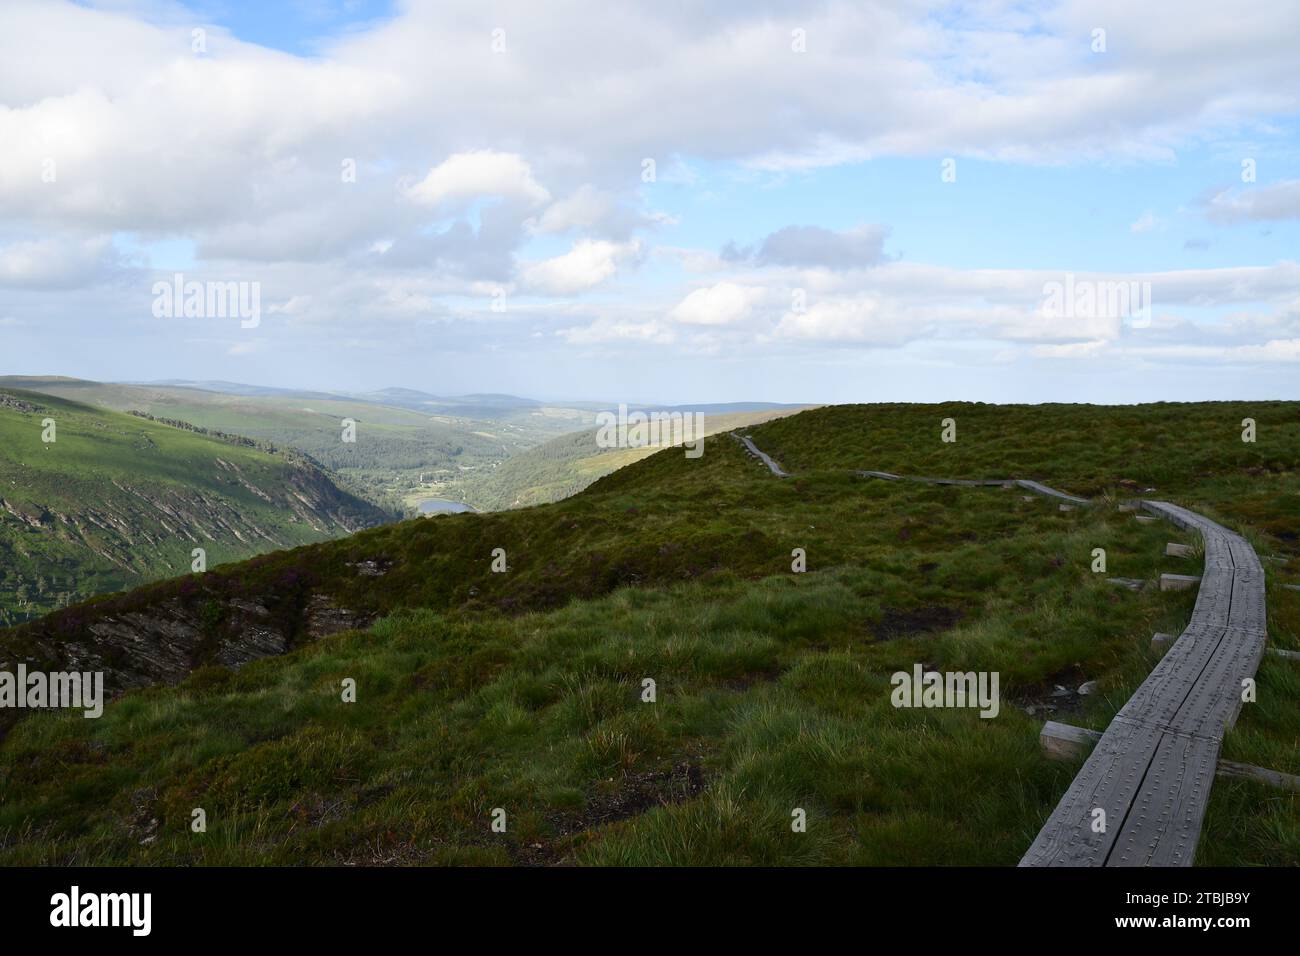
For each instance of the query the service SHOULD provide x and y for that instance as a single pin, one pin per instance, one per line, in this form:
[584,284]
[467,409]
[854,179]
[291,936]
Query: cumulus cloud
[859,319]
[113,127]
[596,211]
[723,304]
[589,263]
[478,174]
[56,262]
[1263,203]
[812,246]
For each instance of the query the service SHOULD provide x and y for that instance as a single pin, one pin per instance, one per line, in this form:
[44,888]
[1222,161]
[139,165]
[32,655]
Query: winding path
[1140,797]
[761,456]
[1152,769]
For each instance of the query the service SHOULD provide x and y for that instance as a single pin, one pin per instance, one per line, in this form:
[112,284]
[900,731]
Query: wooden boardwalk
[761,456]
[1151,771]
[1034,486]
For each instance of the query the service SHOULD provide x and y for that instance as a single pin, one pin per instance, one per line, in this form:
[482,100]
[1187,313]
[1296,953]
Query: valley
[524,689]
[115,500]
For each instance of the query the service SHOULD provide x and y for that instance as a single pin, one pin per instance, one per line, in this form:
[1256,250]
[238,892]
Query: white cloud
[1274,350]
[1144,223]
[860,320]
[234,158]
[588,264]
[1262,203]
[295,305]
[597,212]
[56,262]
[855,248]
[723,304]
[478,174]
[605,330]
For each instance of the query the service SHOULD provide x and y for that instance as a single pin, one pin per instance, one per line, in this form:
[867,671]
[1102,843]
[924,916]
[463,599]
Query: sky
[747,200]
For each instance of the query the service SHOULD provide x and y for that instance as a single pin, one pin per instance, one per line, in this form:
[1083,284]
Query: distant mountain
[411,445]
[405,450]
[566,465]
[235,388]
[114,500]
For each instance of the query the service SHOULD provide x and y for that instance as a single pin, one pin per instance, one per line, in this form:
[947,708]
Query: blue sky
[299,27]
[797,242]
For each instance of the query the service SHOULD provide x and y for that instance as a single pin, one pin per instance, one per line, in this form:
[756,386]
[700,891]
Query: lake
[431,506]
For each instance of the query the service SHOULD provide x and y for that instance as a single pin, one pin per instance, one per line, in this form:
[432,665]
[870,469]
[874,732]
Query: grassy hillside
[523,690]
[403,451]
[564,466]
[116,500]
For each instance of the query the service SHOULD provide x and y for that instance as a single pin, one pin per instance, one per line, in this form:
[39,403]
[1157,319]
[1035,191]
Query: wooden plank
[1158,699]
[1160,641]
[1151,770]
[1167,735]
[1109,780]
[1042,489]
[1175,550]
[1164,823]
[1034,486]
[1133,584]
[1245,771]
[762,456]
[1068,742]
[1065,741]
[1214,701]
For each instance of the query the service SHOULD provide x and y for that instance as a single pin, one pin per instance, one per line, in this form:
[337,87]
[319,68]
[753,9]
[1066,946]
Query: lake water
[431,506]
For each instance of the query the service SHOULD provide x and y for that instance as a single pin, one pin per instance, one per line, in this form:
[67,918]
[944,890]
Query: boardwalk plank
[1152,769]
[1109,779]
[1169,732]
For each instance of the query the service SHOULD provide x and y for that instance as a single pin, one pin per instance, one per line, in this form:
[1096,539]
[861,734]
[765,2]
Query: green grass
[116,500]
[523,690]
[566,465]
[400,455]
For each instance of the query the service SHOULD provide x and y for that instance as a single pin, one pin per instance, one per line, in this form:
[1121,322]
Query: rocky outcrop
[163,642]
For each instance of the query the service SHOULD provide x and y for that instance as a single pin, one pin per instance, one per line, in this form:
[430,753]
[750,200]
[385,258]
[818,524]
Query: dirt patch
[636,794]
[895,623]
[1059,694]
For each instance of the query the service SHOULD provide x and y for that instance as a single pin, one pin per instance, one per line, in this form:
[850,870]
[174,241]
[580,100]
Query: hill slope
[564,466]
[404,449]
[525,689]
[117,500]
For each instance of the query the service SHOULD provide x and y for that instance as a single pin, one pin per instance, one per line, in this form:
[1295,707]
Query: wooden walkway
[761,456]
[1034,486]
[1152,769]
